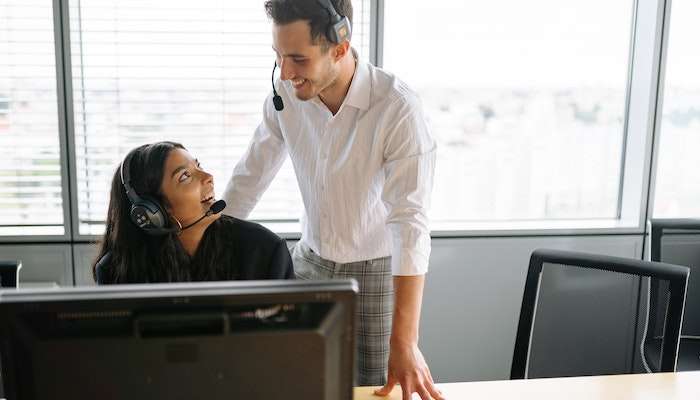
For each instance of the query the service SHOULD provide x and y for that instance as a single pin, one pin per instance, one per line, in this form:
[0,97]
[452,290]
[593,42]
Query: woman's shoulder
[259,253]
[247,230]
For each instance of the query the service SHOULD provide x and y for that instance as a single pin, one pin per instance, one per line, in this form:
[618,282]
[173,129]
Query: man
[364,161]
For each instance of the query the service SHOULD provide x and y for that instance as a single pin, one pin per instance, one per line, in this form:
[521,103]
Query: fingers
[435,392]
[410,371]
[424,387]
[430,383]
[386,389]
[423,393]
[406,393]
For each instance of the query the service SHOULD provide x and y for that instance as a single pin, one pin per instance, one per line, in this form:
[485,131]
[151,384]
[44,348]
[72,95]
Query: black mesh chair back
[9,273]
[9,278]
[676,241]
[580,315]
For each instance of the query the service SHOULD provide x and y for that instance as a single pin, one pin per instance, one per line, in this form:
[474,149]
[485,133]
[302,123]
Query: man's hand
[407,367]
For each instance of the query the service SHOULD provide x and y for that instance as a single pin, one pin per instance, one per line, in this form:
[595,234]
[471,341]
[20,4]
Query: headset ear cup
[340,31]
[148,215]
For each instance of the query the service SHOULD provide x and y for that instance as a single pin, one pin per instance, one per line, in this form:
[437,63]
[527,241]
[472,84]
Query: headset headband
[332,12]
[125,175]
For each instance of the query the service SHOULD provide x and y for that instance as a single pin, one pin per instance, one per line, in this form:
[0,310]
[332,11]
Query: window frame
[642,119]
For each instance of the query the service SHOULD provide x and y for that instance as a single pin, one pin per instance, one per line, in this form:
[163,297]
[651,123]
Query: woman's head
[166,174]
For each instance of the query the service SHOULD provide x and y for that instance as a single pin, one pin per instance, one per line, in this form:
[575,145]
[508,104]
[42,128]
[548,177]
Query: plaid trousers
[374,306]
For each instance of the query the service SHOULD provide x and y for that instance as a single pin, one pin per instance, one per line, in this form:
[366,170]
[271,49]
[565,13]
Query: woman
[163,226]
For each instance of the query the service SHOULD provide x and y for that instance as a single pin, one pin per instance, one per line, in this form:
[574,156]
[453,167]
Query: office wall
[42,263]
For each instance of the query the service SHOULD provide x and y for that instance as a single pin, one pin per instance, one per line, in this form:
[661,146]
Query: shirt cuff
[408,262]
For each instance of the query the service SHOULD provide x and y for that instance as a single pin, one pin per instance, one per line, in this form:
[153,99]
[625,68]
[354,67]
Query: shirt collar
[361,85]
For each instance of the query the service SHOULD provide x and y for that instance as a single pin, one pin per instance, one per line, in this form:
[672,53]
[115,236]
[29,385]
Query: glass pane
[196,73]
[30,169]
[525,99]
[677,190]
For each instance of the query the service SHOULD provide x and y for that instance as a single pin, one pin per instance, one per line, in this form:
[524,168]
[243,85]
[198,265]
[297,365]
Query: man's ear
[340,50]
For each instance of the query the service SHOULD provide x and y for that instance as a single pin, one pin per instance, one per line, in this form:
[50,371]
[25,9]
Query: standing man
[364,161]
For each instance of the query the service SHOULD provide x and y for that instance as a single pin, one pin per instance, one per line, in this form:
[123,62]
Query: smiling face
[309,66]
[187,188]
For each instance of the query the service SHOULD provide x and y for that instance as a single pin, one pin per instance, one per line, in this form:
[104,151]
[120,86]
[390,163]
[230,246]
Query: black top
[243,251]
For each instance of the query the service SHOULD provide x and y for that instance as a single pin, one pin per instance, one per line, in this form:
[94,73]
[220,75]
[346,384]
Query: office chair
[585,306]
[9,278]
[682,247]
[9,273]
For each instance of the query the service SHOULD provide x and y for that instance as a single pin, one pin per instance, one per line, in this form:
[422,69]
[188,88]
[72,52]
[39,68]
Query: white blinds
[192,72]
[30,172]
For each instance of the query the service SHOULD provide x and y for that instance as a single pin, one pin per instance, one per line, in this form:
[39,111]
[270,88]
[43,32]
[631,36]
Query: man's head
[305,53]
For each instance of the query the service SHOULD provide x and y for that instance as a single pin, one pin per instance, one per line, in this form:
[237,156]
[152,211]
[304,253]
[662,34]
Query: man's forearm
[408,296]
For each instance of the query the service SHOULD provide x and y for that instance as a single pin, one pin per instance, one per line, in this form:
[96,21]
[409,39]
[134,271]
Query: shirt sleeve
[409,154]
[258,166]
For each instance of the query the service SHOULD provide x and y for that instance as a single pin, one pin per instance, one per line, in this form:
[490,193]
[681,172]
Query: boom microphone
[215,208]
[276,98]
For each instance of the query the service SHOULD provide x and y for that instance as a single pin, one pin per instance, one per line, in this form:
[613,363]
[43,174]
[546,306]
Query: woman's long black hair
[134,255]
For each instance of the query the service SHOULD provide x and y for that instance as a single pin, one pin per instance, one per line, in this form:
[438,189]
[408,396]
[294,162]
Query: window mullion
[65,113]
[376,32]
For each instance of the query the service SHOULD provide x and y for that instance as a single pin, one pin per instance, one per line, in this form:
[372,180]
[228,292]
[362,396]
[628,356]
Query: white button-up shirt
[365,174]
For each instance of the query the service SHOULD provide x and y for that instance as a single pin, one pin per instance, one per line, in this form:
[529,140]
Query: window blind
[192,72]
[30,171]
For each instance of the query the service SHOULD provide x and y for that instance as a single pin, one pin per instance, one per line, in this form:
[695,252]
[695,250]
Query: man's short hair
[284,12]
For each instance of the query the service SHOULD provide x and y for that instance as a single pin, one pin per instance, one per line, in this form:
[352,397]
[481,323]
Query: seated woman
[163,225]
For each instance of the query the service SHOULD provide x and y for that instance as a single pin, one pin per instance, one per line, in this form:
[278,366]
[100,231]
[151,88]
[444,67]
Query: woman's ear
[169,214]
[177,222]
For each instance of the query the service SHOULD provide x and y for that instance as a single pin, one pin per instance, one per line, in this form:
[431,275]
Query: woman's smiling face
[187,188]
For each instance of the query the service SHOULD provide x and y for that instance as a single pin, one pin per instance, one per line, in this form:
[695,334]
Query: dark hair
[287,11]
[135,256]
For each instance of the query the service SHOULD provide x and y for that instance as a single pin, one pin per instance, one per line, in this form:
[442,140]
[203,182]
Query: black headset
[338,30]
[145,211]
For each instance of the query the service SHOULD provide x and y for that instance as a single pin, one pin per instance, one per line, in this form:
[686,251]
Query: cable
[644,332]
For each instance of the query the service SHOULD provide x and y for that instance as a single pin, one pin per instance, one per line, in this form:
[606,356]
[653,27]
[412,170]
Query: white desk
[668,386]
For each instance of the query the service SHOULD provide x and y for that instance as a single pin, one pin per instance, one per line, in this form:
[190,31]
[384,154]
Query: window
[30,160]
[677,190]
[192,72]
[526,101]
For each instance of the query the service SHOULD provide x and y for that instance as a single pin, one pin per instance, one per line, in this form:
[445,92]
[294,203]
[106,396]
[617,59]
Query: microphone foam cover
[218,206]
[277,101]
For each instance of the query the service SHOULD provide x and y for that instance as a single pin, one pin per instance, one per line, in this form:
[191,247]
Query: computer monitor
[221,340]
[9,273]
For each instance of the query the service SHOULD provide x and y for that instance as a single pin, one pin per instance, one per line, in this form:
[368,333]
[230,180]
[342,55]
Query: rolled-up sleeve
[258,166]
[410,153]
